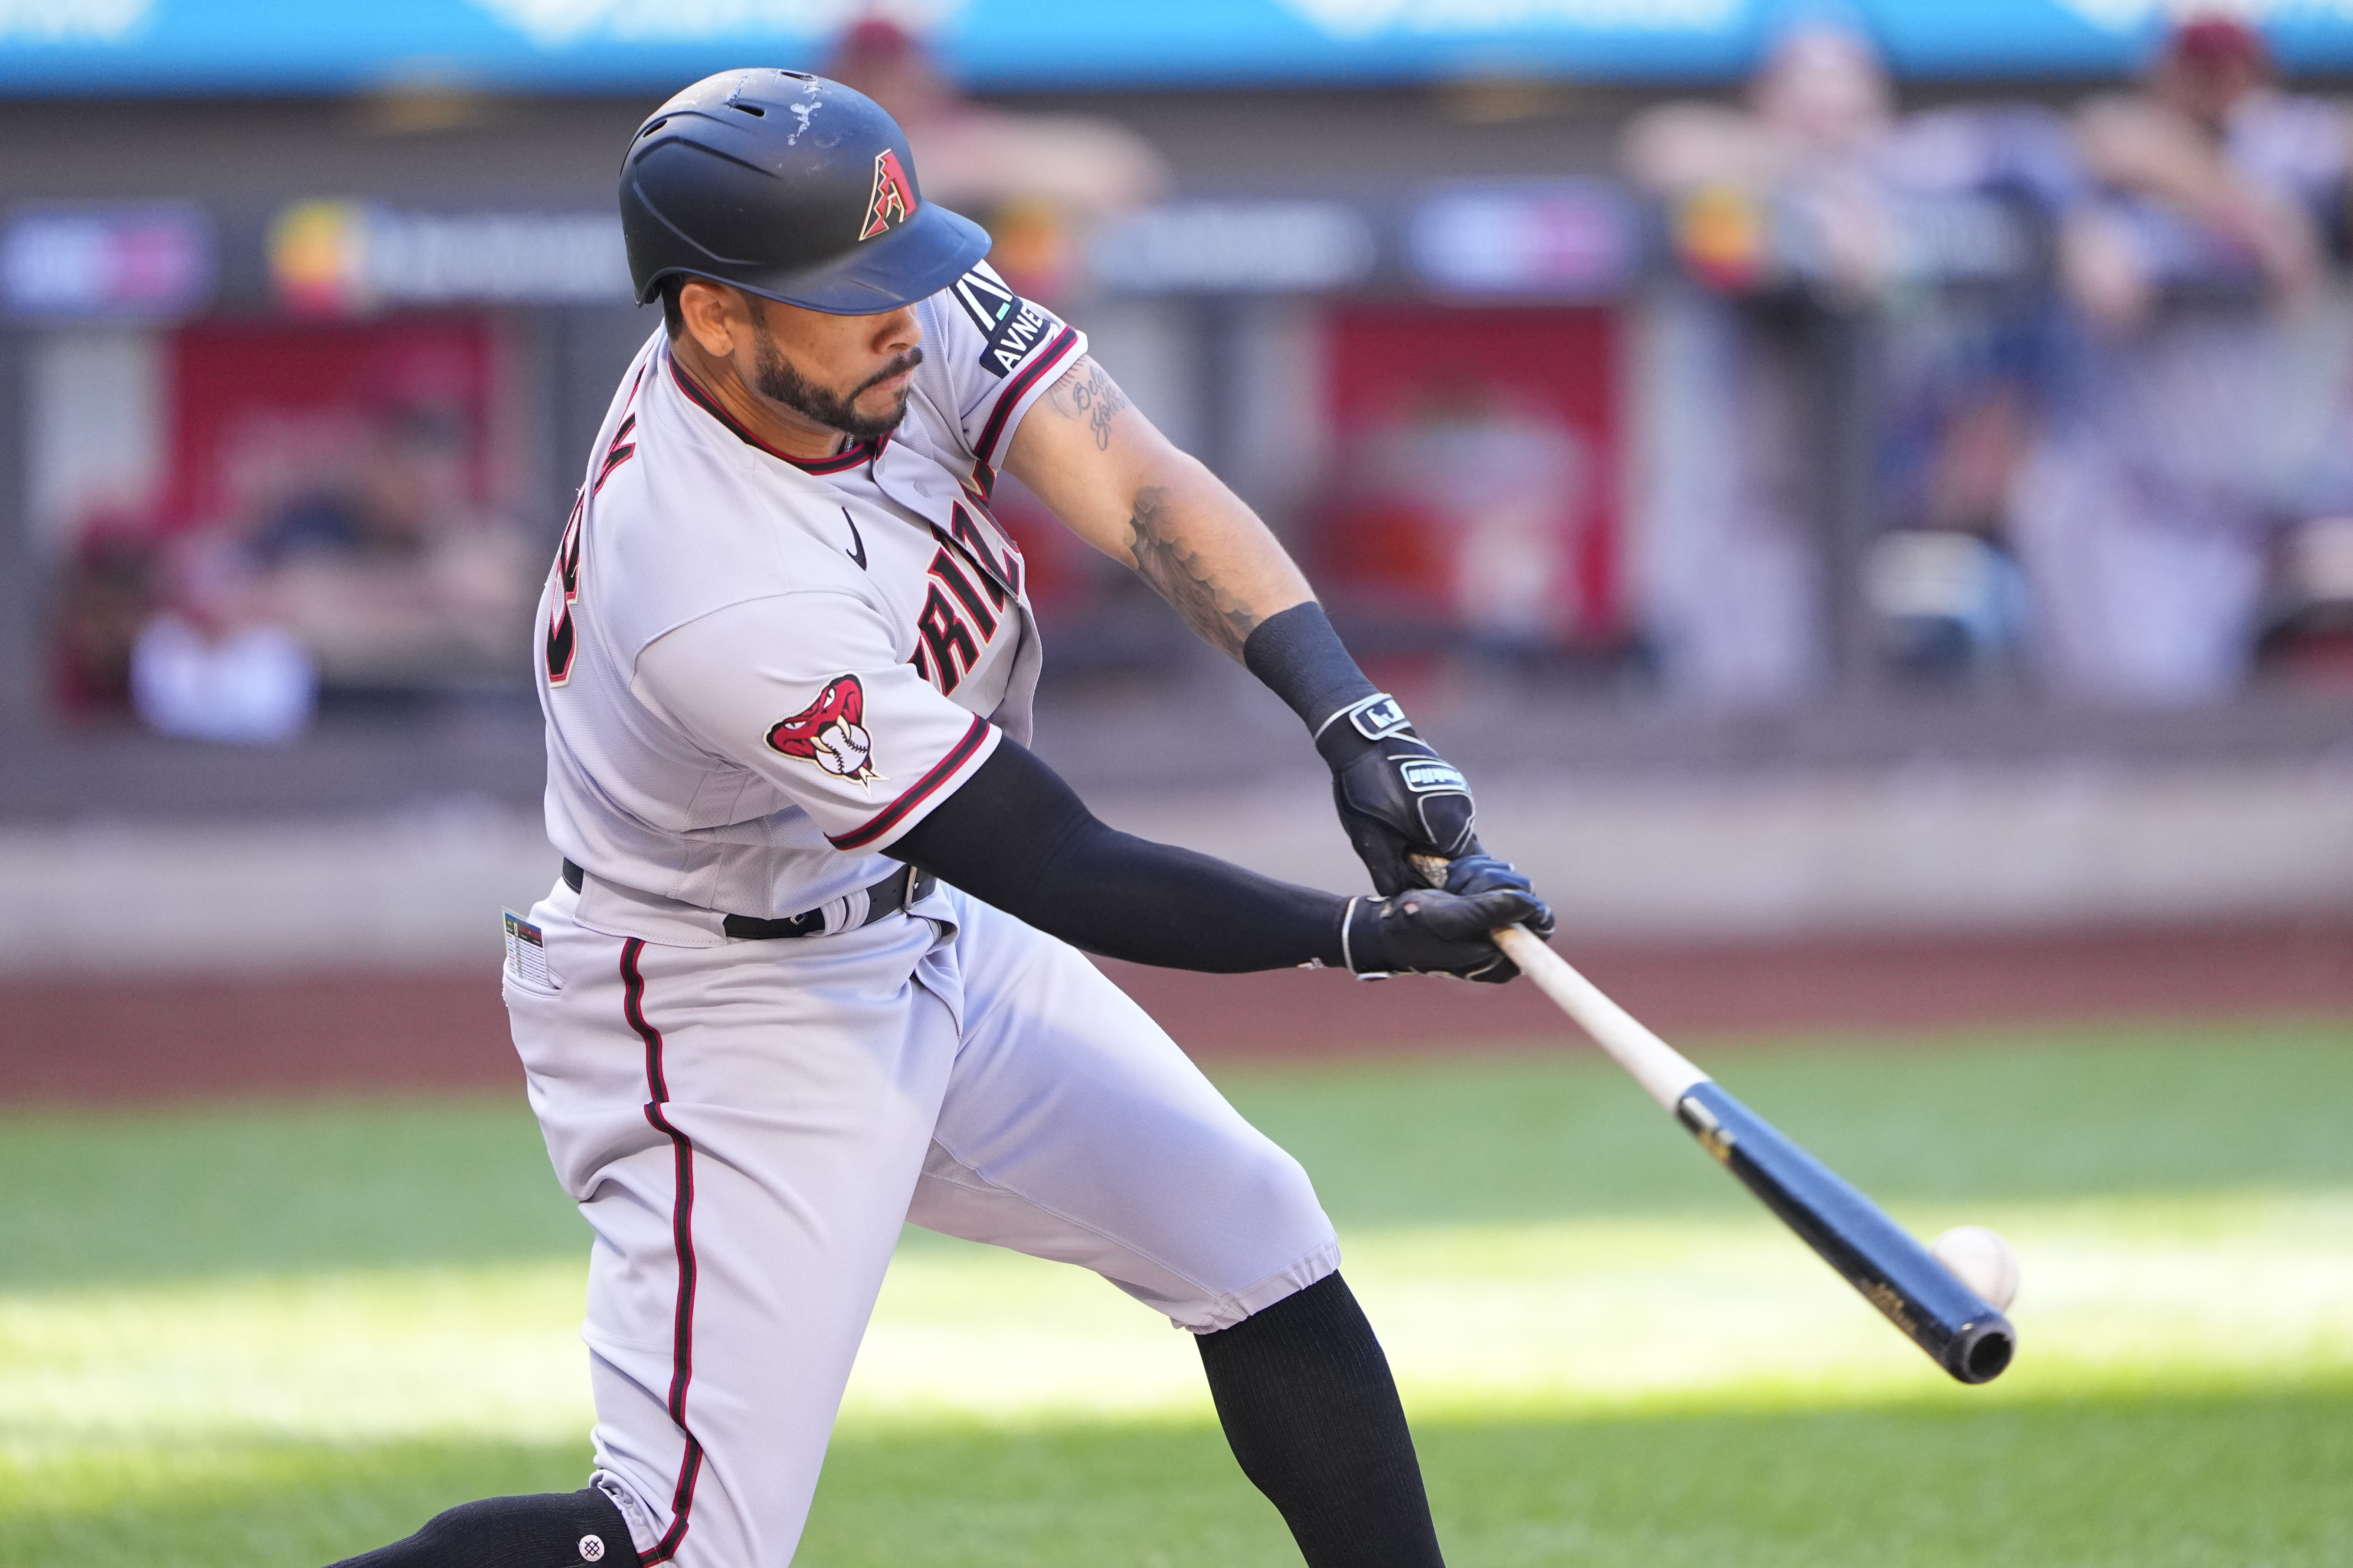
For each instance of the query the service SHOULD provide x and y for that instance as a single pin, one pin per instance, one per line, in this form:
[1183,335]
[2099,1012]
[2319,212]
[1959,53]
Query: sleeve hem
[1021,391]
[902,815]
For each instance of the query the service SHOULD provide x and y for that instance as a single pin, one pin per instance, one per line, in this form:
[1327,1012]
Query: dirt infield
[94,1040]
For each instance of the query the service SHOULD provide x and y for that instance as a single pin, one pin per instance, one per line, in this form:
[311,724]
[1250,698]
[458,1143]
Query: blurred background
[1823,466]
[1865,489]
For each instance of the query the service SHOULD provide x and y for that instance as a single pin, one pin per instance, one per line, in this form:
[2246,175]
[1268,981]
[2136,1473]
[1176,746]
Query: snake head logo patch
[893,200]
[832,732]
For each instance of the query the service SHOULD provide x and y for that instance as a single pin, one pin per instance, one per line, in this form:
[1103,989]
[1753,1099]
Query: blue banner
[103,47]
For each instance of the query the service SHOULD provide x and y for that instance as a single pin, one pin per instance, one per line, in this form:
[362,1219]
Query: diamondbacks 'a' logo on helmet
[893,200]
[832,732]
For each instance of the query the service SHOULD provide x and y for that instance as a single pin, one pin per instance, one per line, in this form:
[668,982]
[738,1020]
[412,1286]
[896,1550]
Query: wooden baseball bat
[1962,1332]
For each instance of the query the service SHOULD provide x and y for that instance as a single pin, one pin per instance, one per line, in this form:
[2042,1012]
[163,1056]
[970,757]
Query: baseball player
[813,967]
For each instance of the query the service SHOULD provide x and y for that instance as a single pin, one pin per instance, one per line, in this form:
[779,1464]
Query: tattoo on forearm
[1157,546]
[1180,575]
[1089,392]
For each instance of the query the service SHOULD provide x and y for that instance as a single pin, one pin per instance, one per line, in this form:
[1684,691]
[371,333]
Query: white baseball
[1980,1259]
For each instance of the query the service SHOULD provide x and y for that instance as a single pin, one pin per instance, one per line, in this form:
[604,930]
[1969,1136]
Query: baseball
[1980,1259]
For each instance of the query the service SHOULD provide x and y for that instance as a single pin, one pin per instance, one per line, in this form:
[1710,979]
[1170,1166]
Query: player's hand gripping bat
[1961,1331]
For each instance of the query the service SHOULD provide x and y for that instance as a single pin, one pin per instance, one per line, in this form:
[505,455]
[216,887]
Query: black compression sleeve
[1302,660]
[1016,834]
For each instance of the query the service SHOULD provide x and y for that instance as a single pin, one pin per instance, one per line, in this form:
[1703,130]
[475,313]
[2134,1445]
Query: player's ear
[714,314]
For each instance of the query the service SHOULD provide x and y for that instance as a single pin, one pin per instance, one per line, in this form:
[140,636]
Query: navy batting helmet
[790,186]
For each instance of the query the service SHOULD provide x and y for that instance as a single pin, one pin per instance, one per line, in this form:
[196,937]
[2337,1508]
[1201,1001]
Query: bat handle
[1665,1072]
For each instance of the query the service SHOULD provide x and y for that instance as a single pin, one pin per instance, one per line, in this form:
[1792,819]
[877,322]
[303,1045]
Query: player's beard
[779,380]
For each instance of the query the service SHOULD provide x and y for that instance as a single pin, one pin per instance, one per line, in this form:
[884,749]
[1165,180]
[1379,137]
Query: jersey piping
[689,1468]
[917,793]
[985,447]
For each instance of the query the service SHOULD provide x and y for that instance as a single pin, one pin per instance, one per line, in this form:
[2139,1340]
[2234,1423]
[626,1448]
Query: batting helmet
[790,186]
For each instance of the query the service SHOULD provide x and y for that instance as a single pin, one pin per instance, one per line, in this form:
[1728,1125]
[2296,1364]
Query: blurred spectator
[1038,182]
[389,574]
[1818,110]
[1470,501]
[2205,406]
[1813,203]
[106,591]
[1958,389]
[2307,633]
[177,631]
[209,665]
[314,528]
[1729,570]
[1469,504]
[2211,141]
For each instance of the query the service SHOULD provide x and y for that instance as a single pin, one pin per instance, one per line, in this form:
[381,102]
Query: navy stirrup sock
[553,1530]
[1306,1399]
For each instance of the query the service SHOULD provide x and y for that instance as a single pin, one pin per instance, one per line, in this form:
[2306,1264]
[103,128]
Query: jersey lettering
[562,639]
[619,452]
[1005,573]
[949,639]
[981,483]
[951,577]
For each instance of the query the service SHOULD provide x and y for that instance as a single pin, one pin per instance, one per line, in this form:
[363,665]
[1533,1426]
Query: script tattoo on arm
[1090,394]
[1179,574]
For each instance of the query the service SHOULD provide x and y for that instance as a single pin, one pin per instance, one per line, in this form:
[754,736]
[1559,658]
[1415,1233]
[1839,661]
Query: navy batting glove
[1397,797]
[1482,873]
[1432,932]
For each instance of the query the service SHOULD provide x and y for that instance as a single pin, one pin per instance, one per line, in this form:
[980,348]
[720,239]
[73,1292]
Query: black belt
[887,897]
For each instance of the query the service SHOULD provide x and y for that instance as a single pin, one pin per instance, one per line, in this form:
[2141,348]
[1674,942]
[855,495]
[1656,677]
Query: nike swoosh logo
[859,554]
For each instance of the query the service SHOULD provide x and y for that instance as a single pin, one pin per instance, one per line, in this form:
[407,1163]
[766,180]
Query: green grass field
[272,1336]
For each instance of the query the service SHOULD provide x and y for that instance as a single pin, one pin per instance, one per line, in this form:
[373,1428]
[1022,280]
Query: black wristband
[1302,660]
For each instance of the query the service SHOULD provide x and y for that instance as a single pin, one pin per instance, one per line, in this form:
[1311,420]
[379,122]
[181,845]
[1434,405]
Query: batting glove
[1397,797]
[1431,932]
[1482,873]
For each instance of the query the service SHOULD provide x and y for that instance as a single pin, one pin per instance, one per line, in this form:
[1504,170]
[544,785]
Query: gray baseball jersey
[752,663]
